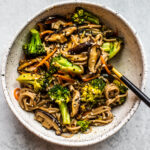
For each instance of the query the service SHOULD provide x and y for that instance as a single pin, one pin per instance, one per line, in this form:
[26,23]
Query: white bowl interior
[128,61]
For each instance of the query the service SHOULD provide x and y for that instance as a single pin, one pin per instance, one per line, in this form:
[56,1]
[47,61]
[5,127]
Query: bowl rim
[72,143]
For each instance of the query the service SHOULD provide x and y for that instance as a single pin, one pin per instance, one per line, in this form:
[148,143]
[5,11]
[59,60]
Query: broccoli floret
[52,70]
[122,88]
[82,16]
[65,65]
[83,124]
[34,79]
[112,47]
[35,47]
[93,90]
[61,96]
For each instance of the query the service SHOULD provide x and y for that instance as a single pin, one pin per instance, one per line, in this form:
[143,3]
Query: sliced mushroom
[57,24]
[75,58]
[93,57]
[61,36]
[48,121]
[75,101]
[81,48]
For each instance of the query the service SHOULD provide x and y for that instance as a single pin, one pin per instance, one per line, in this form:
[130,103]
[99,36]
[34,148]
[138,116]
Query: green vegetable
[122,88]
[35,47]
[82,16]
[122,100]
[34,79]
[83,124]
[61,96]
[52,69]
[93,90]
[112,47]
[65,65]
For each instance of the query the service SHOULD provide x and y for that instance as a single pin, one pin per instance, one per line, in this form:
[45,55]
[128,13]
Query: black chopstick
[131,86]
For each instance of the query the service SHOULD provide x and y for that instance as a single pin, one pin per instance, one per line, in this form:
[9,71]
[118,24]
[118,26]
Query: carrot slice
[88,79]
[68,23]
[47,57]
[47,64]
[45,32]
[105,66]
[64,78]
[16,93]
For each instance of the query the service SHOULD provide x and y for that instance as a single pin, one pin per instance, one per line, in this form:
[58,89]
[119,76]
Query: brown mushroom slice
[111,91]
[48,121]
[93,56]
[68,31]
[81,47]
[61,36]
[57,24]
[75,58]
[56,38]
[75,102]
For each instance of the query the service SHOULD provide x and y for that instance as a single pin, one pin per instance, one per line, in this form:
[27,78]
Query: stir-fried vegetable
[82,16]
[34,79]
[112,47]
[93,90]
[61,96]
[65,80]
[83,124]
[63,64]
[35,47]
[123,89]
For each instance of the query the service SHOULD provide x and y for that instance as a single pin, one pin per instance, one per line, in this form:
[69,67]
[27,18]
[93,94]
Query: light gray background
[133,136]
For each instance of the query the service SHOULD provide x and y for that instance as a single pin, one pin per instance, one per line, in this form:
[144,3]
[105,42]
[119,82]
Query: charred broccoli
[92,90]
[36,80]
[112,47]
[83,124]
[61,96]
[35,47]
[65,65]
[123,89]
[82,16]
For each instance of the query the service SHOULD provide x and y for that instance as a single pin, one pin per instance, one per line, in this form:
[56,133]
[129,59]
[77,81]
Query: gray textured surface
[133,136]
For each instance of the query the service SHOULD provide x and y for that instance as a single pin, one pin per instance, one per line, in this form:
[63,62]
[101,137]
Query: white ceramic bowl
[130,62]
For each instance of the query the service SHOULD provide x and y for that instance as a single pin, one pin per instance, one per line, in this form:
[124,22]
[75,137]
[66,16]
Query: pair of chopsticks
[127,82]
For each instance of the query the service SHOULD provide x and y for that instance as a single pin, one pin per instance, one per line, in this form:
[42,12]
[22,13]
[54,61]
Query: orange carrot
[105,66]
[88,79]
[68,23]
[61,72]
[47,57]
[16,93]
[47,64]
[64,78]
[45,32]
